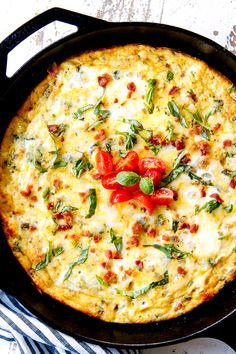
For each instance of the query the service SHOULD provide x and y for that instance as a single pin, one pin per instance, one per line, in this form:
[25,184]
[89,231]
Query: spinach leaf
[175,112]
[149,95]
[82,259]
[142,291]
[117,240]
[170,251]
[92,203]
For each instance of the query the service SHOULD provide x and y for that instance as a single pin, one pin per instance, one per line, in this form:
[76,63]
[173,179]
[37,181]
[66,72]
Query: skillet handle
[84,23]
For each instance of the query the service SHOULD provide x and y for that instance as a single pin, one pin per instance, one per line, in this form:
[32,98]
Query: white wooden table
[215,19]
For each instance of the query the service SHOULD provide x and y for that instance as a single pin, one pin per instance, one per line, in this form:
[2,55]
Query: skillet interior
[16,282]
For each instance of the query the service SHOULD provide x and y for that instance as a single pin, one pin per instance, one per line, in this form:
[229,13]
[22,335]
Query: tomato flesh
[131,188]
[104,162]
[145,201]
[151,163]
[109,181]
[120,196]
[155,175]
[163,196]
[127,163]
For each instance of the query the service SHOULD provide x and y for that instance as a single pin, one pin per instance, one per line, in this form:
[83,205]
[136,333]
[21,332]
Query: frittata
[118,183]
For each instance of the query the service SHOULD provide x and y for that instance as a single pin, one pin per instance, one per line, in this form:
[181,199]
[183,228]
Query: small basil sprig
[209,206]
[51,252]
[229,173]
[199,179]
[146,185]
[170,251]
[170,130]
[92,203]
[81,110]
[37,161]
[116,240]
[82,259]
[81,166]
[149,95]
[178,168]
[96,109]
[142,291]
[217,105]
[202,122]
[61,128]
[175,112]
[130,139]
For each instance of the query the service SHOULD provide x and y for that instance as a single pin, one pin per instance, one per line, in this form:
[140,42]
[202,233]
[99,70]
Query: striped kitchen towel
[33,336]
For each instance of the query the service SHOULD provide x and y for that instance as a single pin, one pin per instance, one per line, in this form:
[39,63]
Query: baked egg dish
[118,183]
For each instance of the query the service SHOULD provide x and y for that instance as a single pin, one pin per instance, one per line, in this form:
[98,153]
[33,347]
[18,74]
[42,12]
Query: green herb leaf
[92,203]
[173,175]
[170,130]
[57,251]
[102,282]
[46,193]
[137,293]
[228,208]
[108,147]
[209,206]
[199,179]
[231,89]
[127,178]
[149,95]
[68,208]
[229,173]
[169,76]
[175,112]
[116,75]
[170,251]
[97,108]
[81,166]
[81,110]
[179,158]
[82,259]
[135,126]
[146,185]
[37,162]
[58,164]
[95,124]
[198,119]
[61,128]
[130,140]
[117,240]
[49,255]
[175,224]
[217,105]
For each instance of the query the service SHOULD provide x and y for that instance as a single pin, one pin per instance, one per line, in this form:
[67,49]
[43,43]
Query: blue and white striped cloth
[33,336]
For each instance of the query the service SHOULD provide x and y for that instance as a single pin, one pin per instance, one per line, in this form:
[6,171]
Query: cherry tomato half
[155,175]
[163,196]
[131,188]
[145,201]
[119,196]
[109,181]
[104,162]
[151,163]
[127,163]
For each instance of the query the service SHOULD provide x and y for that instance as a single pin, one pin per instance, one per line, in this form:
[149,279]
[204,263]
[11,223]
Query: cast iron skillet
[93,33]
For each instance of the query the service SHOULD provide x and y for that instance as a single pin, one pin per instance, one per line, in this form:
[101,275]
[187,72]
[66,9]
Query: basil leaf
[46,193]
[61,128]
[149,95]
[170,251]
[178,159]
[173,175]
[49,255]
[118,241]
[116,74]
[107,147]
[68,208]
[137,293]
[200,179]
[81,110]
[82,259]
[154,148]
[217,105]
[229,173]
[58,164]
[175,112]
[198,119]
[57,251]
[127,178]
[92,203]
[175,224]
[229,208]
[130,140]
[209,206]
[170,130]
[135,126]
[169,76]
[37,162]
[102,282]
[81,166]
[97,108]
[95,124]
[146,185]
[231,89]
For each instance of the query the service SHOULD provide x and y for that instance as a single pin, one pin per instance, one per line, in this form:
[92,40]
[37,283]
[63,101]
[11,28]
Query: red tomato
[163,196]
[127,163]
[151,163]
[145,201]
[155,175]
[131,188]
[104,162]
[109,181]
[119,196]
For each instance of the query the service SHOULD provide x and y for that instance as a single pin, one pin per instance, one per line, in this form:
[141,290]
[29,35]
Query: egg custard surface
[118,183]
